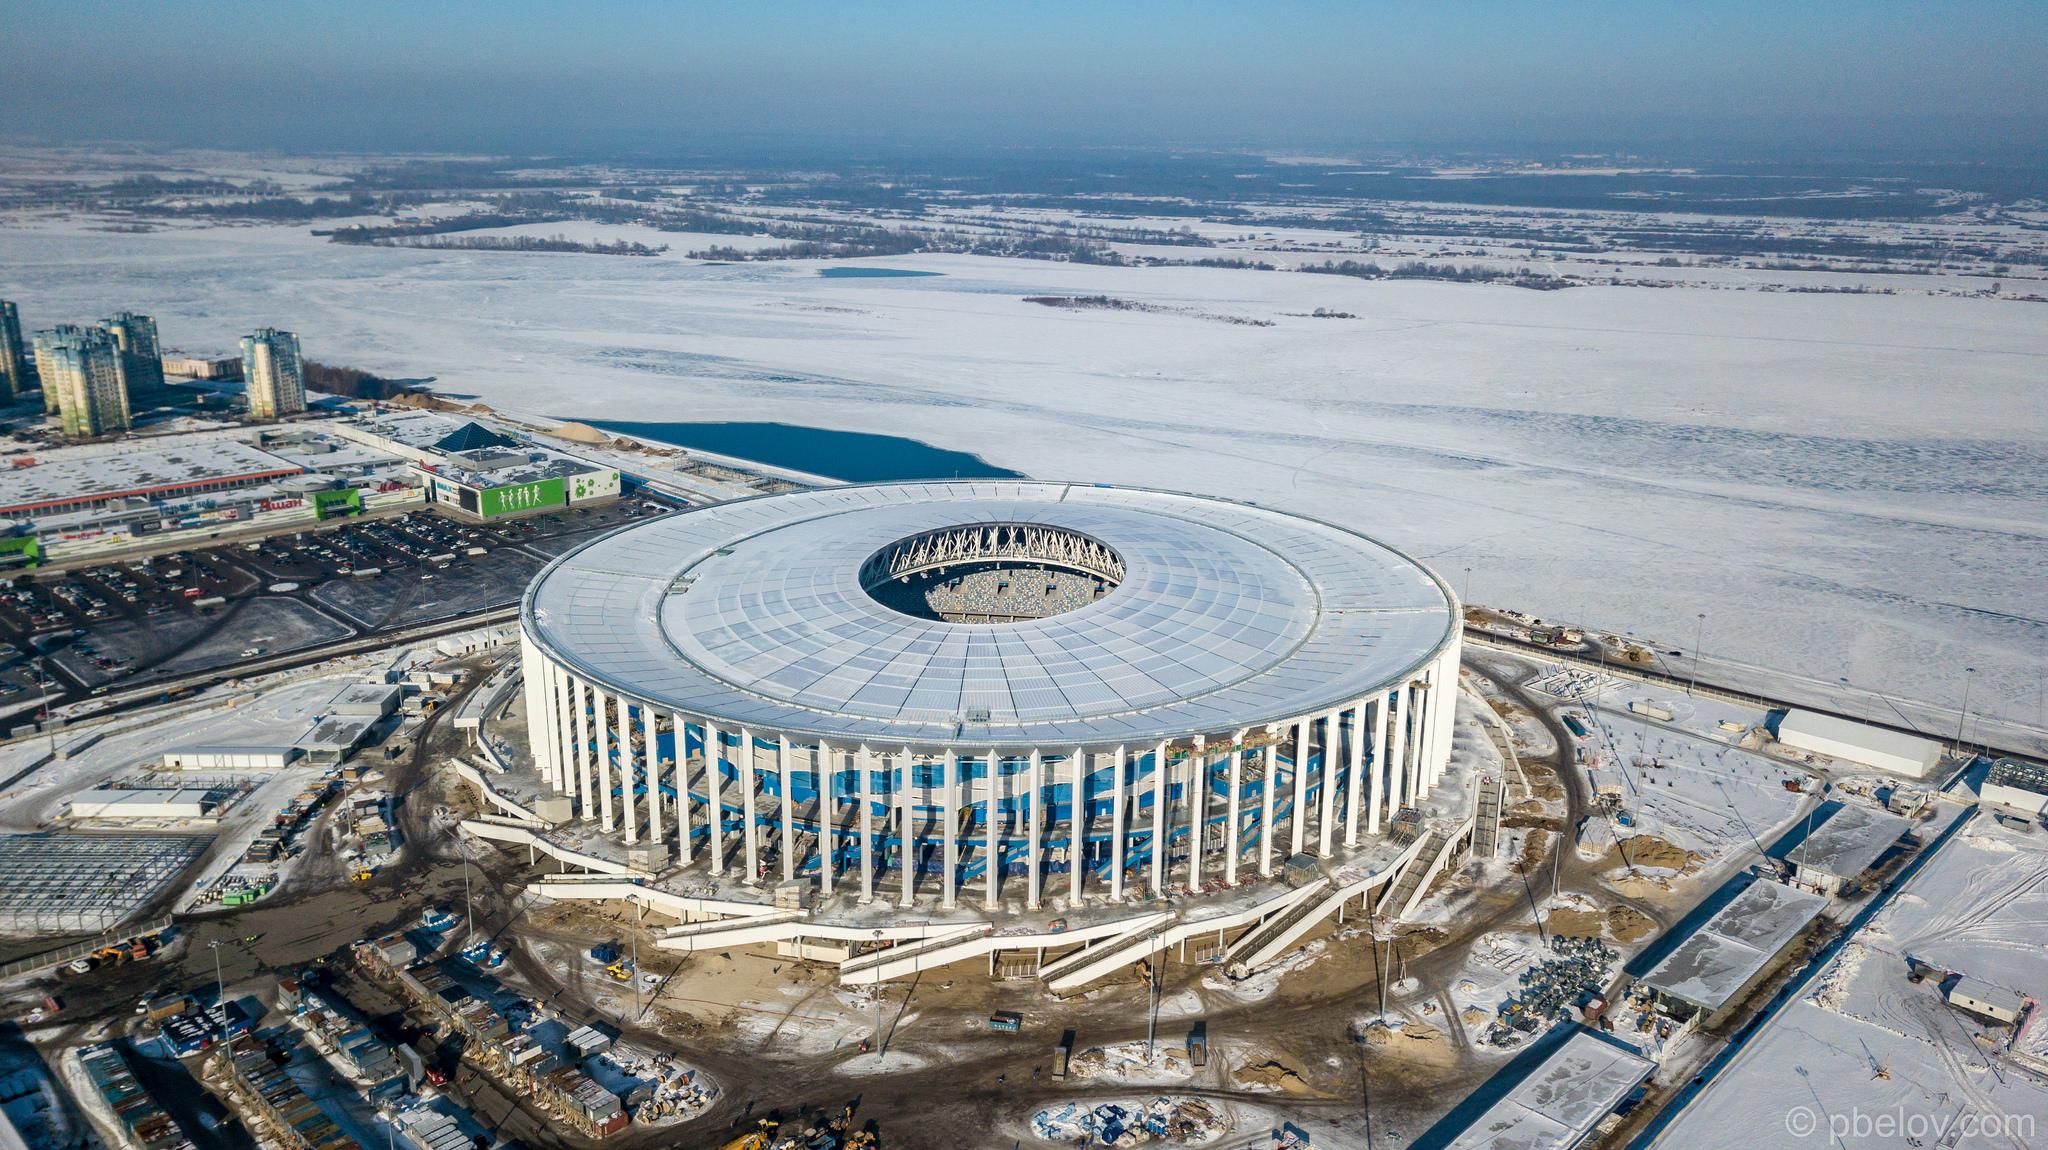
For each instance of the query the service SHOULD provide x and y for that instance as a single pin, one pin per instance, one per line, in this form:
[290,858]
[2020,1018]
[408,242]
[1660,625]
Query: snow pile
[1127,1061]
[1263,982]
[1831,989]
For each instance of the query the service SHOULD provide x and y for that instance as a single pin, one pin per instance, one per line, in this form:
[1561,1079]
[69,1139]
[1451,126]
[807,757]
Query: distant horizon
[786,147]
[1728,78]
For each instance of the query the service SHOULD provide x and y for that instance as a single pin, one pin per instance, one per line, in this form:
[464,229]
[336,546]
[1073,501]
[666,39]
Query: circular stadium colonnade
[989,689]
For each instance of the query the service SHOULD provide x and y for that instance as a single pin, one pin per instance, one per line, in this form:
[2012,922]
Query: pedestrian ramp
[775,926]
[948,946]
[1145,936]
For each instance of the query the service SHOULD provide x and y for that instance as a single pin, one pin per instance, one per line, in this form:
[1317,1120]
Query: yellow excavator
[755,1139]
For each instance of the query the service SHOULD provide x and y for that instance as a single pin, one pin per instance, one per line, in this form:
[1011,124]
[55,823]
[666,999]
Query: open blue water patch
[854,456]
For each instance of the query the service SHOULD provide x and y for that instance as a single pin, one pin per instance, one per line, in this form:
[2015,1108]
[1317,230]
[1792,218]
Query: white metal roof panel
[1228,615]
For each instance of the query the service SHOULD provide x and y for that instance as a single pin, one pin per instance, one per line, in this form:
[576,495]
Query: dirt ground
[1621,924]
[781,1036]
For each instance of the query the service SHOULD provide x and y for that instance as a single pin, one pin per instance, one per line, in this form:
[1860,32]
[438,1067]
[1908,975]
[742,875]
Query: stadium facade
[990,691]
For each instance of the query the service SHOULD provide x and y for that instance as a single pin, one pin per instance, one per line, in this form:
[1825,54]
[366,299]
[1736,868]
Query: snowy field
[1863,1045]
[1849,486]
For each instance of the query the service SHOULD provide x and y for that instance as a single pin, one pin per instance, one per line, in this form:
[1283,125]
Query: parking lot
[127,622]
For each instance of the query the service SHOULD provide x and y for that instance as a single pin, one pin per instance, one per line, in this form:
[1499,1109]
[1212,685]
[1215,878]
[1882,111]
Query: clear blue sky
[455,73]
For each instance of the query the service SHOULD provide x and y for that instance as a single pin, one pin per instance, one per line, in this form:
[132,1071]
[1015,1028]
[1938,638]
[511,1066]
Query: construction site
[1480,891]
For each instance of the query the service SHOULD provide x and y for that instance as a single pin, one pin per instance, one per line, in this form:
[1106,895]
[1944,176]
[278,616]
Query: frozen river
[1848,486]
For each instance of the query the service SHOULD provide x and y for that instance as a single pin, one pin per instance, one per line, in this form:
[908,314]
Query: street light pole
[43,678]
[878,1009]
[220,987]
[1698,634]
[1962,715]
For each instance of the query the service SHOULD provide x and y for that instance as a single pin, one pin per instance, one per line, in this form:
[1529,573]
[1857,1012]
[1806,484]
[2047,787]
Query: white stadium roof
[752,613]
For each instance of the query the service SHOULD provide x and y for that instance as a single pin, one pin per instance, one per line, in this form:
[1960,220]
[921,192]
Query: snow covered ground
[1849,486]
[1864,1047]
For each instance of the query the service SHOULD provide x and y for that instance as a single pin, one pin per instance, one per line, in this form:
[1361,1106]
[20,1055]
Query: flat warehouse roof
[1562,1100]
[1847,731]
[1849,842]
[1712,966]
[69,475]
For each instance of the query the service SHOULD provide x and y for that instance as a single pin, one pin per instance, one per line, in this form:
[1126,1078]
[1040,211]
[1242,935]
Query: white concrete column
[625,729]
[1077,822]
[1298,822]
[1447,713]
[565,729]
[788,809]
[1326,810]
[1160,824]
[1236,799]
[994,844]
[651,751]
[1415,704]
[1272,757]
[685,848]
[539,729]
[1034,868]
[949,806]
[828,829]
[1354,783]
[601,715]
[714,793]
[581,693]
[1397,752]
[1382,781]
[541,711]
[1198,811]
[906,843]
[1426,732]
[865,788]
[1116,830]
[744,764]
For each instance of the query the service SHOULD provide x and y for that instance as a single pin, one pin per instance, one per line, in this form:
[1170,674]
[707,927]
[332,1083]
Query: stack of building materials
[147,1126]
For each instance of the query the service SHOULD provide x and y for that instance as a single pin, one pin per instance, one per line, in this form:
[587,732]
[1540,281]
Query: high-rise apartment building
[270,366]
[16,374]
[142,367]
[81,373]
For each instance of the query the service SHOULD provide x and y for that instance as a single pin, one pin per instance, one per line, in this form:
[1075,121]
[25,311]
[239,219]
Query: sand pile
[1273,1075]
[1655,853]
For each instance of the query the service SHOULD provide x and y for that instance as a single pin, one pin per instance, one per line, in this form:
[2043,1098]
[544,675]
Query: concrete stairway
[1409,881]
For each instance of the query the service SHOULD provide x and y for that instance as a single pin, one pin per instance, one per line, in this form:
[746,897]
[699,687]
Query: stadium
[1026,698]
